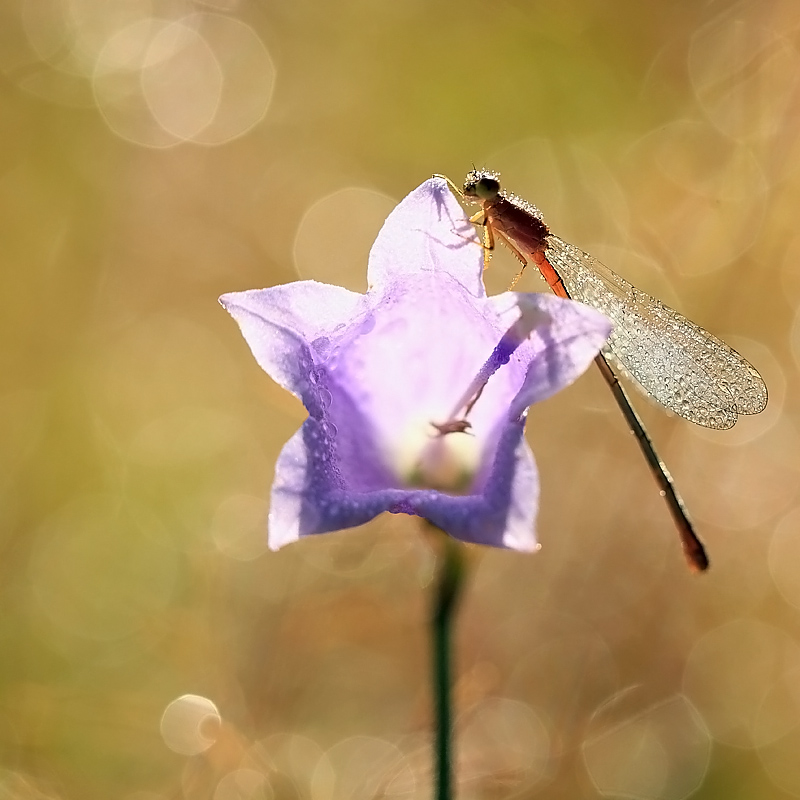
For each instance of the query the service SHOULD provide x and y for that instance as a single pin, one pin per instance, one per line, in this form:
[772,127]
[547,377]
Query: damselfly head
[482,185]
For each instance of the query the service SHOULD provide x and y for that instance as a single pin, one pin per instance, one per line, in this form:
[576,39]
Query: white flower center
[444,458]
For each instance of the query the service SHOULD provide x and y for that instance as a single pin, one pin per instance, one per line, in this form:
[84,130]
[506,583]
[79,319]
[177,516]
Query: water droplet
[322,345]
[324,399]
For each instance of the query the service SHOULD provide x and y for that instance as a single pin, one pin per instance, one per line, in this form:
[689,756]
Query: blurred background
[157,153]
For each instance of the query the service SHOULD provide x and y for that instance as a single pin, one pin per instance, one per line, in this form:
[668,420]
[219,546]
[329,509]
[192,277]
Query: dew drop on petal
[321,345]
[324,398]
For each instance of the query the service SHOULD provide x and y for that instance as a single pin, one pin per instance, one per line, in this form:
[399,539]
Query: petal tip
[438,183]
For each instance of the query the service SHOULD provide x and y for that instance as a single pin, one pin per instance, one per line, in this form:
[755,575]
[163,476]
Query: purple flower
[417,391]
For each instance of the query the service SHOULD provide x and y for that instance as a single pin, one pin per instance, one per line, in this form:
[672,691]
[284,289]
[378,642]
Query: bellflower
[417,391]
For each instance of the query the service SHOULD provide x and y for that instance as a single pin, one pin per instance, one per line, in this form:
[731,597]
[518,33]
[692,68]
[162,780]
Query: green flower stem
[449,579]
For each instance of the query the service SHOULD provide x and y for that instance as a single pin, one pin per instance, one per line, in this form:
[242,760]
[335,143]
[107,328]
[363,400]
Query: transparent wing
[680,365]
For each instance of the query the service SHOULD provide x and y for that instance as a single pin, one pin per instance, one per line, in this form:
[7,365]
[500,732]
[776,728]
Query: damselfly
[677,363]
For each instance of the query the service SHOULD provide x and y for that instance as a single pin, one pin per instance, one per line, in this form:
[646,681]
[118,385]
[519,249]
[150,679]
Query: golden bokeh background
[157,153]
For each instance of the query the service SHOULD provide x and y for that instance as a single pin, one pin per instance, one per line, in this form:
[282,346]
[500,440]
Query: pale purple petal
[308,499]
[427,342]
[520,527]
[286,502]
[427,232]
[565,337]
[289,327]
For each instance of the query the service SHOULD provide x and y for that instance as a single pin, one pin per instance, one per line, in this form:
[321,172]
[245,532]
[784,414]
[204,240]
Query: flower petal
[564,338]
[289,327]
[427,232]
[286,501]
[308,498]
[428,341]
[523,507]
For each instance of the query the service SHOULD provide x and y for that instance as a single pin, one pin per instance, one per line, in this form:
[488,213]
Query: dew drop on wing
[656,339]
